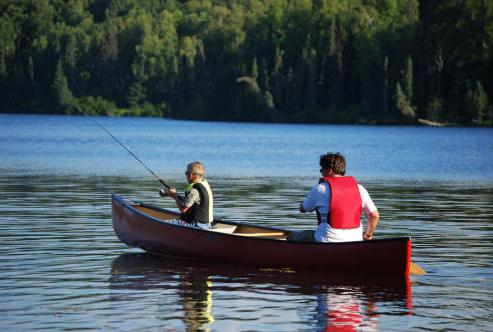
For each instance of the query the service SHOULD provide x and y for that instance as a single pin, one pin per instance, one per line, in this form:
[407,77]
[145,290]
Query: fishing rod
[128,150]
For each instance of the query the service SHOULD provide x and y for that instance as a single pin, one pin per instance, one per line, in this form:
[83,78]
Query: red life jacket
[345,202]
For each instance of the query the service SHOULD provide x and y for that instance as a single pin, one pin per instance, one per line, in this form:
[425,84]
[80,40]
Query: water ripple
[62,268]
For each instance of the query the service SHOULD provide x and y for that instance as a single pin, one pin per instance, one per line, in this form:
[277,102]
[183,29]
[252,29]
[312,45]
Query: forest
[298,61]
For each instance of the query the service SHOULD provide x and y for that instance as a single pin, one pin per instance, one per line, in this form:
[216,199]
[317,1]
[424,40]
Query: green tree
[137,92]
[63,100]
[408,80]
[254,71]
[403,104]
[476,105]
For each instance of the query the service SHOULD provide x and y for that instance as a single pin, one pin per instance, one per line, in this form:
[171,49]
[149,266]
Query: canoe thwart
[224,228]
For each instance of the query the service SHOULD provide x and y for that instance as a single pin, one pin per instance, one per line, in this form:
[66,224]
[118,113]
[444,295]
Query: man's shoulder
[362,188]
[320,188]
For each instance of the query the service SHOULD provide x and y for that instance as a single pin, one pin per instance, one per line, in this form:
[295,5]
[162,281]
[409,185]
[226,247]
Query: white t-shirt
[319,198]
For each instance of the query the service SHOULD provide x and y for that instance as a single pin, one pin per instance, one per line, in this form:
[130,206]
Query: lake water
[62,267]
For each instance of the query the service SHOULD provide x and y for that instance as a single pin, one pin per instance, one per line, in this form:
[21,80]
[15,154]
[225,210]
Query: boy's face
[191,177]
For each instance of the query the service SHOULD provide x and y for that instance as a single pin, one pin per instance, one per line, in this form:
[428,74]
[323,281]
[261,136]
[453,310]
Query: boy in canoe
[339,202]
[196,206]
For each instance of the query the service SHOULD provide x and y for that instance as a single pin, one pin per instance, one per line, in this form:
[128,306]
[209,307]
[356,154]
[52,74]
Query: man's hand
[302,209]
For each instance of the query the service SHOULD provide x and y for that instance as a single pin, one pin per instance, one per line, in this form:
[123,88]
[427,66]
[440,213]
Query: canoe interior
[219,226]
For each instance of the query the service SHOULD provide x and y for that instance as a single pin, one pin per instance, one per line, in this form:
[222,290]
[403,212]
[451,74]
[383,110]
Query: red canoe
[145,226]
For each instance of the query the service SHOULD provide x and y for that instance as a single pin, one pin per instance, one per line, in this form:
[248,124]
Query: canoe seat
[224,228]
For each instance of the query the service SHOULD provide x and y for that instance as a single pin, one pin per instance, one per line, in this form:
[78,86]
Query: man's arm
[371,224]
[371,212]
[310,202]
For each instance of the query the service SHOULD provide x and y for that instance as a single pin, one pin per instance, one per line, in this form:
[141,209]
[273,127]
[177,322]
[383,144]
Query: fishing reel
[162,192]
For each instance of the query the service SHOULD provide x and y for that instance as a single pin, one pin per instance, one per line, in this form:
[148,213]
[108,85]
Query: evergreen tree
[137,92]
[63,100]
[408,79]
[403,104]
[476,105]
[254,71]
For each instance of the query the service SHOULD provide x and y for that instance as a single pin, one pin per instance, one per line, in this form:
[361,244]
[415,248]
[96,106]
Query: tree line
[320,61]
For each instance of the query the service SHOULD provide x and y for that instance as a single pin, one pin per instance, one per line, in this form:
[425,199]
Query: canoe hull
[389,257]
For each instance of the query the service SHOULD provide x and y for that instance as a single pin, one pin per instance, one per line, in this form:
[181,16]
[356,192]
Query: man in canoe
[339,202]
[196,206]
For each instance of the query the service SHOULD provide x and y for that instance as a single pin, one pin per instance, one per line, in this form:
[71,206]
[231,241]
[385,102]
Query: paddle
[415,269]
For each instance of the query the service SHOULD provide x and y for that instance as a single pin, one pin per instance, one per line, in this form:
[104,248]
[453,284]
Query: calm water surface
[62,268]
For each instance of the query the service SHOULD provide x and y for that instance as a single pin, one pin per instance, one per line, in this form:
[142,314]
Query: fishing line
[127,149]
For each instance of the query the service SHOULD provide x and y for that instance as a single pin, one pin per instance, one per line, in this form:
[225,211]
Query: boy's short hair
[196,168]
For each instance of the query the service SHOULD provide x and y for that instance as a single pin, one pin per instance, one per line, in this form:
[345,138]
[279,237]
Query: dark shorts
[302,236]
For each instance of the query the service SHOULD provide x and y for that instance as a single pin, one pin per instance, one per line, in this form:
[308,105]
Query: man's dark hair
[333,161]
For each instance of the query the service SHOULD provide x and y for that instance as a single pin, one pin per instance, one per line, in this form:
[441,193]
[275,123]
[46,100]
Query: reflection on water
[62,267]
[325,302]
[137,271]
